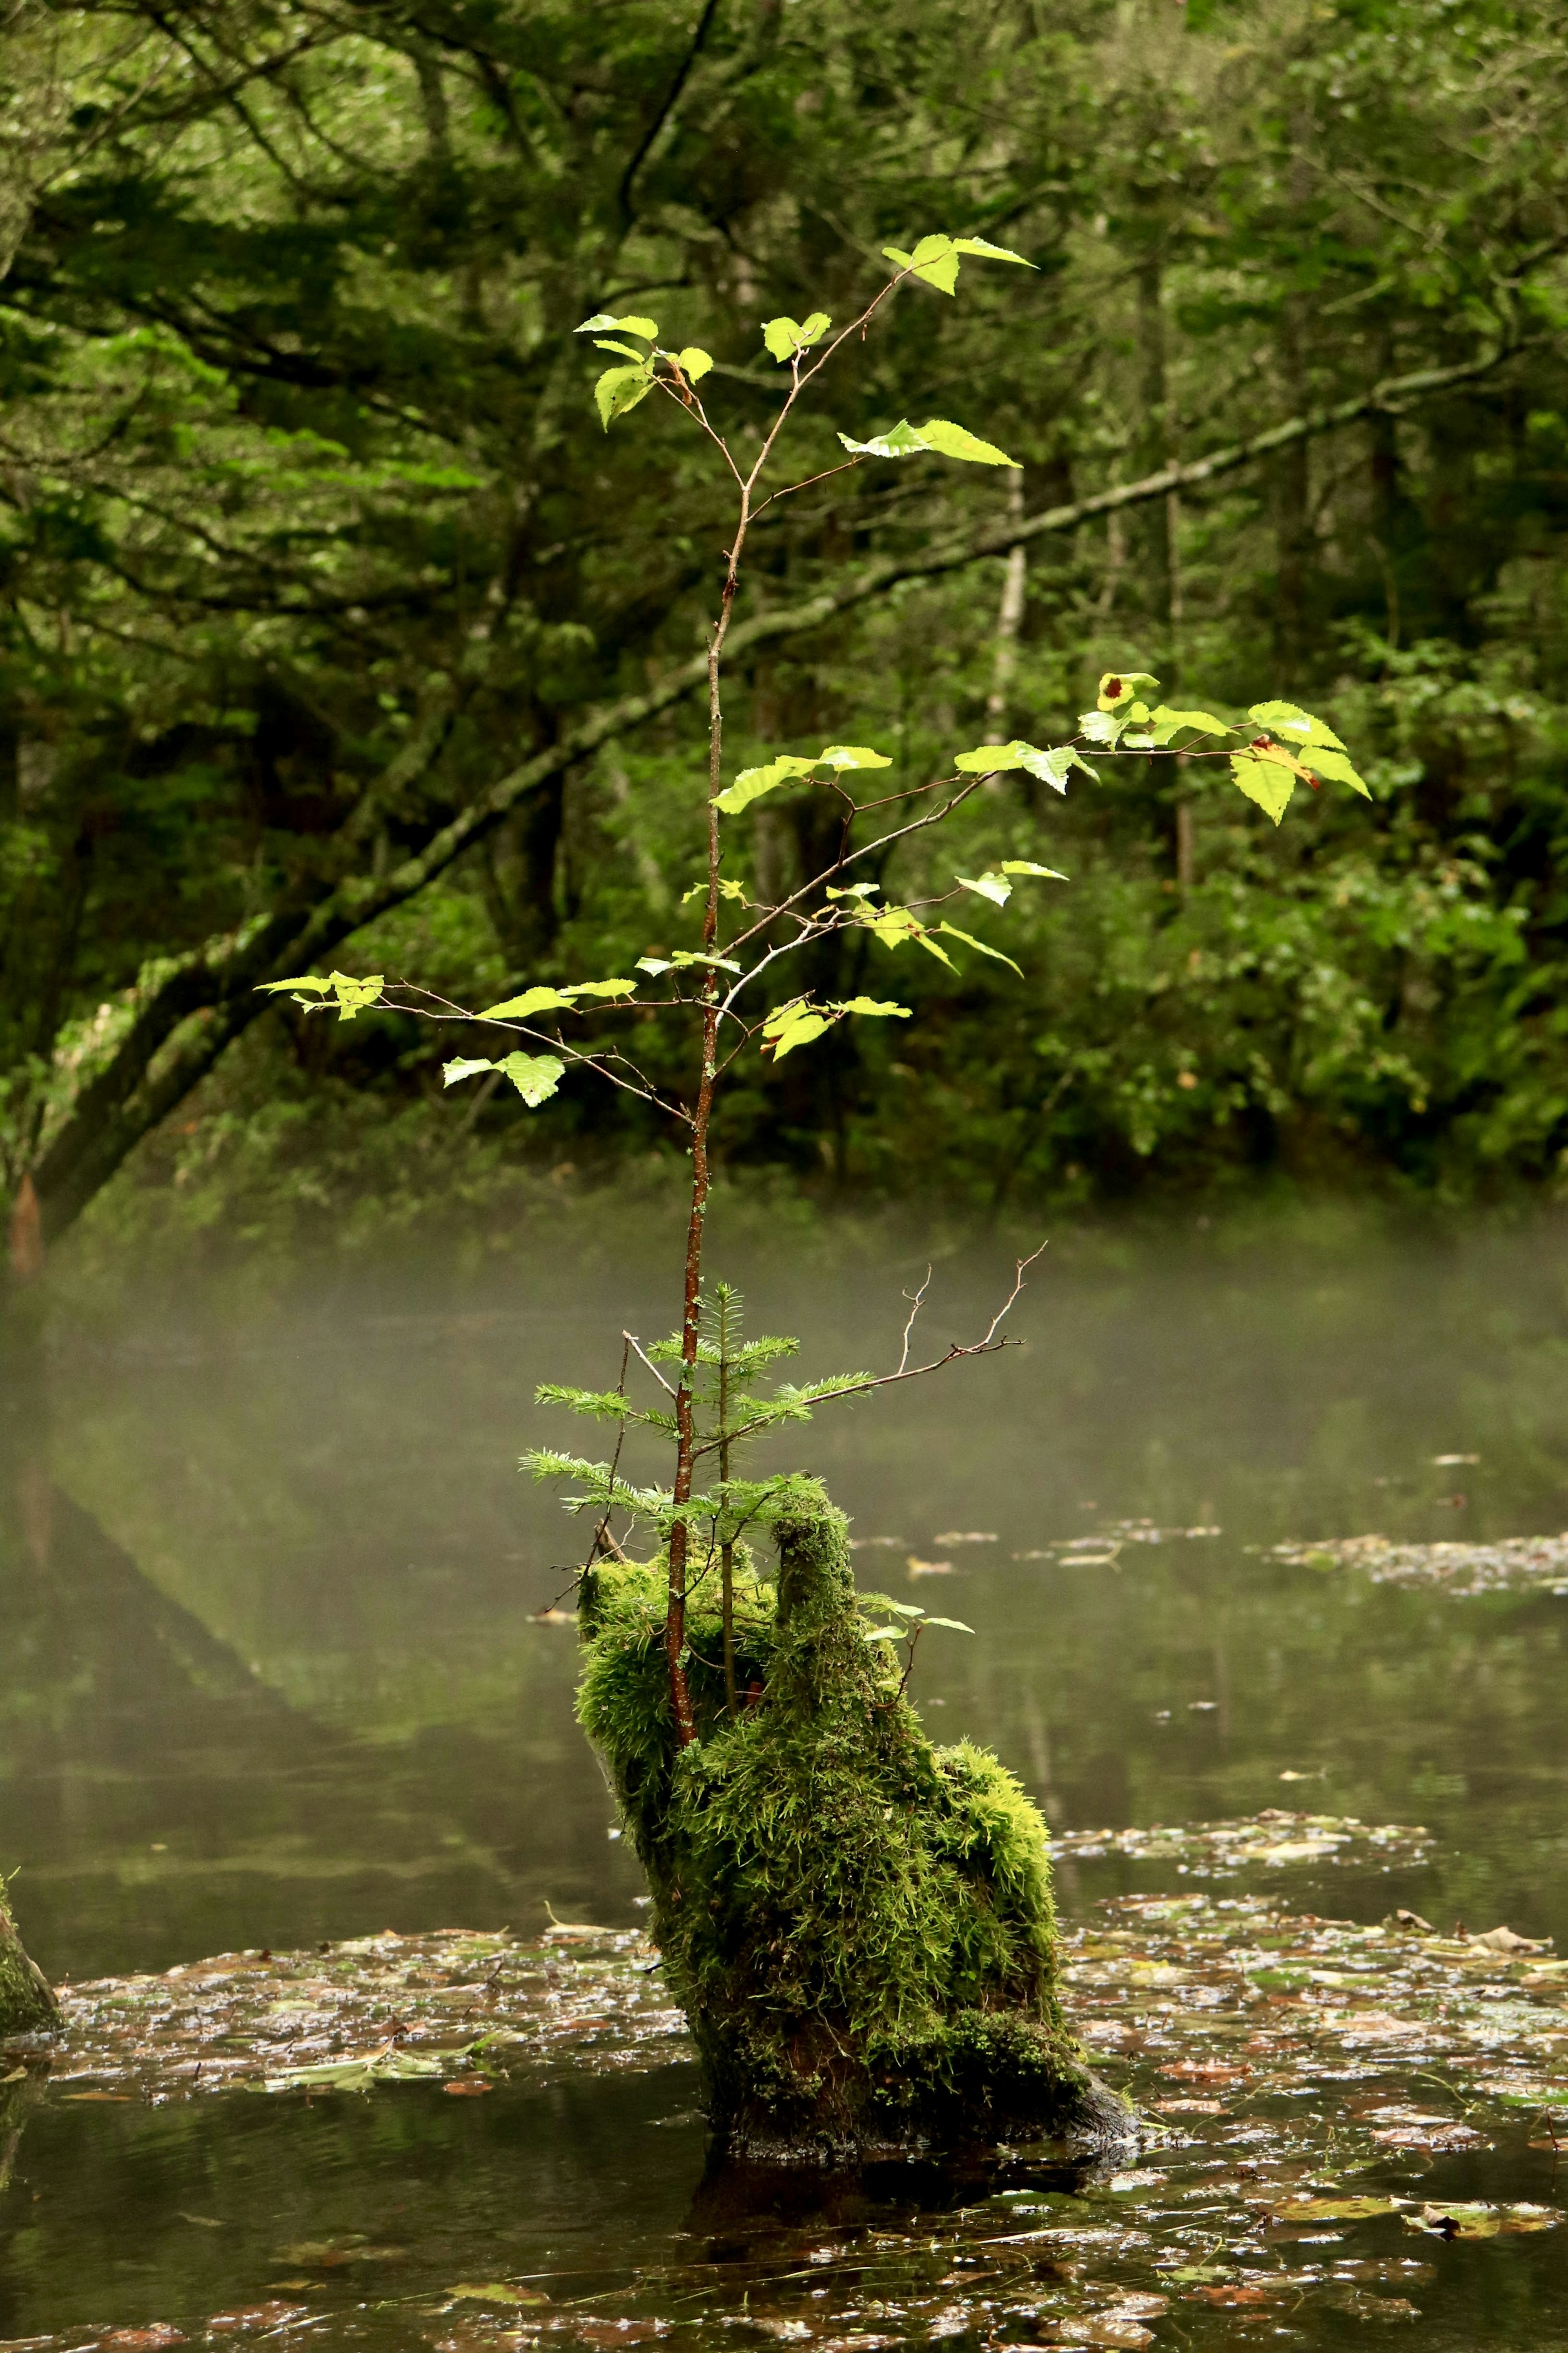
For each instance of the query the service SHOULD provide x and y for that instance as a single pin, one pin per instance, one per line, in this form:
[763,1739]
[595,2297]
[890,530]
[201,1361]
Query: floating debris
[972,1536]
[1273,1838]
[1304,2078]
[1509,1565]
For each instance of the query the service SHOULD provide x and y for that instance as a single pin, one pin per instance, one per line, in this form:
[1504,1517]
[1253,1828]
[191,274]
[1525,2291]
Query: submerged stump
[858,1925]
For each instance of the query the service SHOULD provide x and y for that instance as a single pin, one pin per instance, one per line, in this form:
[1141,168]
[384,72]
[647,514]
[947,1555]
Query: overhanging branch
[189,1020]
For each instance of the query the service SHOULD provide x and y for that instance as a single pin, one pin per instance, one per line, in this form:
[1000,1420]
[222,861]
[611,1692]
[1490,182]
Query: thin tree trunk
[1009,619]
[1154,440]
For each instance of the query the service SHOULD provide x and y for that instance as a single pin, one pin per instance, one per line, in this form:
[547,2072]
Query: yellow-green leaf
[536,1076]
[1336,769]
[871,1005]
[1166,723]
[1120,686]
[985,250]
[853,755]
[950,440]
[1027,866]
[989,886]
[695,363]
[532,1000]
[601,988]
[1263,781]
[980,945]
[605,322]
[620,390]
[1289,719]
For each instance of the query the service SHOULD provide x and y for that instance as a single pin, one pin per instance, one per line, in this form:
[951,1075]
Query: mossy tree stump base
[27,2005]
[858,1925]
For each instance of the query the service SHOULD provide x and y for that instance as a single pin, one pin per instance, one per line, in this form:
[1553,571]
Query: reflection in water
[272,1674]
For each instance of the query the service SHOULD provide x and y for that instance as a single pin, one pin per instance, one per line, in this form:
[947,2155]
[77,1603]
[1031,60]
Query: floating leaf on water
[1334,2209]
[494,2292]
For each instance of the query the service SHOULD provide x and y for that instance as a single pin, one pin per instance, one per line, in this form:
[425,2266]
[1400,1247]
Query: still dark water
[272,1675]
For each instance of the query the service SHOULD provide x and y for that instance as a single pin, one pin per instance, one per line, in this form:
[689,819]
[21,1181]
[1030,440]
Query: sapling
[780,1688]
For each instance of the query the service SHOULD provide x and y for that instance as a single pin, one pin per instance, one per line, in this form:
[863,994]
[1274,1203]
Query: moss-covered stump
[27,2004]
[858,1925]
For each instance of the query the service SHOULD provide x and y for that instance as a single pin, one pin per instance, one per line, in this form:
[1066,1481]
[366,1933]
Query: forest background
[334,627]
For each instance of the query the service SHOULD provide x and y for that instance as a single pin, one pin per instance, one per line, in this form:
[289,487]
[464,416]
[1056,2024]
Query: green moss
[858,1925]
[26,2004]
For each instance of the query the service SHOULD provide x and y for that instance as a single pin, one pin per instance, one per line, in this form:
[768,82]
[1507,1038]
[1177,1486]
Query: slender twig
[633,1342]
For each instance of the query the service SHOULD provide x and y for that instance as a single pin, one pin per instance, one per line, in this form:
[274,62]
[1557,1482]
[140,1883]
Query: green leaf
[727,890]
[954,1625]
[989,886]
[305,980]
[934,259]
[532,1000]
[604,322]
[620,390]
[1120,686]
[492,2292]
[1263,781]
[871,1005]
[1100,727]
[696,955]
[626,351]
[656,964]
[853,755]
[995,759]
[536,1076]
[786,337]
[1027,866]
[353,994]
[752,783]
[856,890]
[799,1032]
[901,441]
[695,363]
[601,988]
[1336,768]
[452,1071]
[950,440]
[981,946]
[894,926]
[1286,719]
[985,250]
[886,1634]
[1166,723]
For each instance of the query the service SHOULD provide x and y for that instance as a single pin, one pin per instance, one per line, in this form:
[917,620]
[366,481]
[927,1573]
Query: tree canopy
[332,622]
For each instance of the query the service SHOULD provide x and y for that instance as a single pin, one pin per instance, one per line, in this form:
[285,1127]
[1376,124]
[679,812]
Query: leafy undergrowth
[1314,2090]
[1509,1565]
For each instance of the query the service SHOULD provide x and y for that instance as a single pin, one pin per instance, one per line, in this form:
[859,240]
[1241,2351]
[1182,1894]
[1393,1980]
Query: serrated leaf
[1100,727]
[727,890]
[989,886]
[856,890]
[853,755]
[601,988]
[656,964]
[304,980]
[1289,719]
[871,1005]
[985,250]
[1336,769]
[452,1071]
[954,1625]
[934,259]
[981,947]
[626,351]
[1263,781]
[950,440]
[1204,722]
[886,1634]
[536,1076]
[901,441]
[602,323]
[1027,866]
[695,363]
[532,1000]
[1120,686]
[620,390]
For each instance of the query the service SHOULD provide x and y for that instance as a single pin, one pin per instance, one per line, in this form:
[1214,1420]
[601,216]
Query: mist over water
[284,1678]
